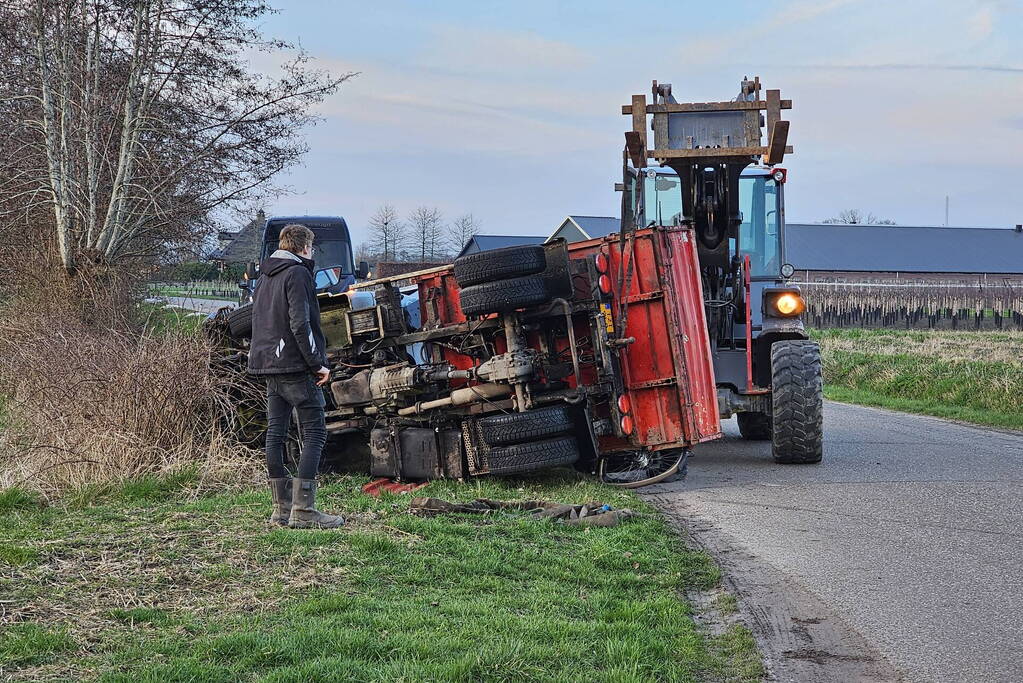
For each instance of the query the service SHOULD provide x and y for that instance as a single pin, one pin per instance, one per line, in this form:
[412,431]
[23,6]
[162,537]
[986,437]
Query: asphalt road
[198,305]
[909,536]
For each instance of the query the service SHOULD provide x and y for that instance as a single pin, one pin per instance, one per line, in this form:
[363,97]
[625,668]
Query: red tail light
[627,425]
[604,282]
[601,263]
[624,404]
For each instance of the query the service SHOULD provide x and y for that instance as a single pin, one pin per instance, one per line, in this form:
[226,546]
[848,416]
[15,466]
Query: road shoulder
[801,638]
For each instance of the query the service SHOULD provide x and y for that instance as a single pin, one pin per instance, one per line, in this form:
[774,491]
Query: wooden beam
[639,118]
[635,148]
[706,106]
[776,145]
[712,152]
[773,110]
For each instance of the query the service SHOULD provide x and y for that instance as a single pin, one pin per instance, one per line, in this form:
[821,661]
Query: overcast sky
[511,110]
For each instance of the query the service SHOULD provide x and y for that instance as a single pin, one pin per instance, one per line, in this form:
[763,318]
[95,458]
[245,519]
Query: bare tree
[426,228]
[135,123]
[388,233]
[855,216]
[461,231]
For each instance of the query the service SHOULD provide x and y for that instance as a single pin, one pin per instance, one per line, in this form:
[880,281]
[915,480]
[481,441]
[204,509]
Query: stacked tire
[502,280]
[531,440]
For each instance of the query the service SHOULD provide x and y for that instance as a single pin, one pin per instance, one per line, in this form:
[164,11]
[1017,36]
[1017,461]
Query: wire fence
[202,289]
[915,305]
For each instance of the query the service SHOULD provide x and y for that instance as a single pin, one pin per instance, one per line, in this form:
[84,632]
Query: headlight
[788,304]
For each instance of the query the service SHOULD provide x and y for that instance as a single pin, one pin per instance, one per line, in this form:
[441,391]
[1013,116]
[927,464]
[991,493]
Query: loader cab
[653,196]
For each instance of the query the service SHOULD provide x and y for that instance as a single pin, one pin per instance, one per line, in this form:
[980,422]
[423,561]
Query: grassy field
[968,376]
[153,581]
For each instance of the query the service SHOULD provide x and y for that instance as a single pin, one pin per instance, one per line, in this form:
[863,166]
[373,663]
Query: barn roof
[898,248]
[486,242]
[597,226]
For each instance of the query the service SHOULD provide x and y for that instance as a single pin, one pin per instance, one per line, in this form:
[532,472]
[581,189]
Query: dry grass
[87,401]
[1002,347]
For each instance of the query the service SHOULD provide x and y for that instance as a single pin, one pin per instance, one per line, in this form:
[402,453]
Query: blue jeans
[296,393]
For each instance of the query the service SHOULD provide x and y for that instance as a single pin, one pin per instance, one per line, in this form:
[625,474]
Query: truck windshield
[759,235]
[326,254]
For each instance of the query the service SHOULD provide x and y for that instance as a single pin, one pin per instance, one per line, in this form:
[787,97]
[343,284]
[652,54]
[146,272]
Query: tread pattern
[525,457]
[754,426]
[504,296]
[797,401]
[501,430]
[239,322]
[499,264]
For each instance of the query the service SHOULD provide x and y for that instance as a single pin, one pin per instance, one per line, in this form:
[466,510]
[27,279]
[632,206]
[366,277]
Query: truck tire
[797,402]
[502,430]
[499,264]
[754,426]
[504,296]
[239,322]
[525,457]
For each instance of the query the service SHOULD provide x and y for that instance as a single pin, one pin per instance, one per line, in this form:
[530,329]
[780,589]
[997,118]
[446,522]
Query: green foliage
[15,498]
[218,595]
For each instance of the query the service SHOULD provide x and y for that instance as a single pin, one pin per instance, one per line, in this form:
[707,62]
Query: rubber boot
[304,514]
[280,493]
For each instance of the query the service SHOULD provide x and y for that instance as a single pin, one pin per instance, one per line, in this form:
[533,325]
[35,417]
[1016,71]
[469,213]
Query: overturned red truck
[615,355]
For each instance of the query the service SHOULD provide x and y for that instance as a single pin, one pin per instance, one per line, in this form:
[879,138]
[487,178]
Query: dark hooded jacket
[286,334]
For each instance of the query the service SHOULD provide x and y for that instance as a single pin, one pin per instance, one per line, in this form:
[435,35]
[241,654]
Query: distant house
[849,253]
[486,242]
[579,228]
[242,245]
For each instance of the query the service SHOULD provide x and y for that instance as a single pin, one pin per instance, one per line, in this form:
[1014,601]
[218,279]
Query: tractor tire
[239,322]
[542,423]
[754,426]
[525,457]
[499,264]
[797,402]
[504,296]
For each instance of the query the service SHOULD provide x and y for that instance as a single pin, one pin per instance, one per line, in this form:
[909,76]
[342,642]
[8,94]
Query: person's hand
[322,375]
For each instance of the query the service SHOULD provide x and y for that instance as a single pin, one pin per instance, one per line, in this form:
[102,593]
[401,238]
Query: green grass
[971,377]
[149,582]
[160,320]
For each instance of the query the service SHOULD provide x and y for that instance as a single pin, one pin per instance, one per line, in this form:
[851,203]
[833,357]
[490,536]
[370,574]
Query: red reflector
[604,282]
[627,425]
[601,263]
[624,404]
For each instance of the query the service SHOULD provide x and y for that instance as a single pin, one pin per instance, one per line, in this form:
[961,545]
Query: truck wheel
[239,322]
[499,264]
[504,296]
[501,430]
[754,426]
[525,457]
[797,402]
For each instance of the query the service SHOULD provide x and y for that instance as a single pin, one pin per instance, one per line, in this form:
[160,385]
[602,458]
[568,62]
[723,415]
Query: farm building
[242,245]
[578,228]
[825,252]
[486,242]
[897,253]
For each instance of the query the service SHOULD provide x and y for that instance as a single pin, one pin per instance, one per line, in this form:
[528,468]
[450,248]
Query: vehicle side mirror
[362,272]
[250,270]
[325,279]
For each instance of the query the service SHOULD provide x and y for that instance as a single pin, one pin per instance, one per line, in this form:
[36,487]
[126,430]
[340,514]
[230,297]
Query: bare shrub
[87,403]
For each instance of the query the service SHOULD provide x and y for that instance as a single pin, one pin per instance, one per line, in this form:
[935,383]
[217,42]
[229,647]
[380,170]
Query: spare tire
[504,296]
[499,264]
[239,322]
[525,457]
[501,430]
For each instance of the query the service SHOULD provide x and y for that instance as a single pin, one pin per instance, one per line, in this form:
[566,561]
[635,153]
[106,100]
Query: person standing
[288,349]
